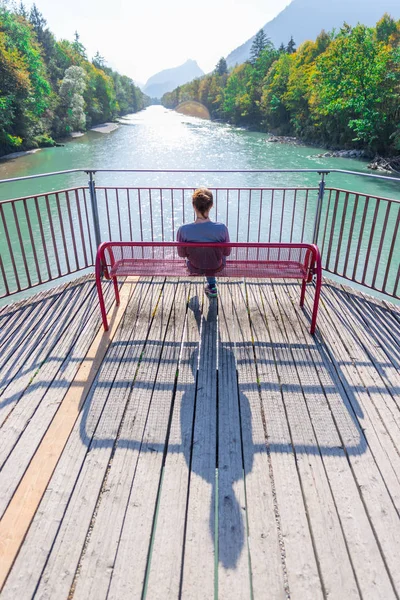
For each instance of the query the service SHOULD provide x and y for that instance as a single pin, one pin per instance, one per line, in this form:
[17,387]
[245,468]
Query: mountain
[169,79]
[304,20]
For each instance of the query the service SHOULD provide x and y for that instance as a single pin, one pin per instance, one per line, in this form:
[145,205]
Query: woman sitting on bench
[204,261]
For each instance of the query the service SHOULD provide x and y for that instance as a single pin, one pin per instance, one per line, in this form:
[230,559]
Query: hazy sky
[143,37]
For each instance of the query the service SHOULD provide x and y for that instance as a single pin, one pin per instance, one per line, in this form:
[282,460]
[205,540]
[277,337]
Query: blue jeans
[211,281]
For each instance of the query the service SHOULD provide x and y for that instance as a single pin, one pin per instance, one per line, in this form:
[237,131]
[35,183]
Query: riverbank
[102,128]
[19,154]
[105,127]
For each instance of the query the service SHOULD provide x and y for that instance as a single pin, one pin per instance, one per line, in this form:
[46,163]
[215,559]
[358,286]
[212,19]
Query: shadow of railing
[228,555]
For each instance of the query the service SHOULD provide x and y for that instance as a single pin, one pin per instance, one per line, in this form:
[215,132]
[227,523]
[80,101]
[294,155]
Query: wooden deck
[201,448]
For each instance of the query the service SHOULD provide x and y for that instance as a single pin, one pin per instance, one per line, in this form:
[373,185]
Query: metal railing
[358,236]
[44,237]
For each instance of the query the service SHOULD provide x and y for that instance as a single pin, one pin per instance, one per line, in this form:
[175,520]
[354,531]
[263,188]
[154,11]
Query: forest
[341,90]
[50,88]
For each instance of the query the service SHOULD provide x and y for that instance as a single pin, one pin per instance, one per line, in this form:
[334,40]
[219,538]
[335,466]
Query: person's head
[202,202]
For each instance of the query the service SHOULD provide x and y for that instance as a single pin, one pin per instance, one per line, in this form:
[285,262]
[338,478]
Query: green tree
[99,61]
[273,107]
[78,46]
[221,67]
[291,47]
[386,29]
[299,86]
[22,11]
[355,89]
[259,43]
[72,104]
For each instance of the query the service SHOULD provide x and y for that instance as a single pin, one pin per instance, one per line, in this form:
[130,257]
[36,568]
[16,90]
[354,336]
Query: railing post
[95,211]
[321,191]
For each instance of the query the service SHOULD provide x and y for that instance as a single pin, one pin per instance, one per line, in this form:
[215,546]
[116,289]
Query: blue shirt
[202,260]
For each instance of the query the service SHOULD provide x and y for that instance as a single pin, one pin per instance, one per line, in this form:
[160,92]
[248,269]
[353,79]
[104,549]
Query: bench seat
[233,268]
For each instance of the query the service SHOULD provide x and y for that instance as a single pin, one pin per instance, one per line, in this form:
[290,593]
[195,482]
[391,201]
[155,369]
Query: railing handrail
[177,171]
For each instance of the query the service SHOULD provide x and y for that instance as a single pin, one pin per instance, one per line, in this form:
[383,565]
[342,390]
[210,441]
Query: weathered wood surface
[22,432]
[199,574]
[233,550]
[26,499]
[222,451]
[265,540]
[98,418]
[156,384]
[305,403]
[164,577]
[302,567]
[365,454]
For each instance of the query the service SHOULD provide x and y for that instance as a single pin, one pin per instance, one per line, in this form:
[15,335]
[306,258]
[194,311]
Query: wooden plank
[140,518]
[267,556]
[233,551]
[32,558]
[333,561]
[17,373]
[377,494]
[80,517]
[383,317]
[16,325]
[166,560]
[44,376]
[302,569]
[11,313]
[379,373]
[32,324]
[36,293]
[198,577]
[11,322]
[20,512]
[24,429]
[370,398]
[342,528]
[368,314]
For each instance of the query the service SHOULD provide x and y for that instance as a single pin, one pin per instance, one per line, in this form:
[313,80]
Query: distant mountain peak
[168,79]
[305,19]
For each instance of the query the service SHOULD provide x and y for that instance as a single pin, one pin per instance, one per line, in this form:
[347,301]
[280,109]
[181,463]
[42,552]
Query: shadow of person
[213,411]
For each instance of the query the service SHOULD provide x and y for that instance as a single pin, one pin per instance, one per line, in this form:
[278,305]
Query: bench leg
[315,307]
[101,302]
[303,292]
[116,290]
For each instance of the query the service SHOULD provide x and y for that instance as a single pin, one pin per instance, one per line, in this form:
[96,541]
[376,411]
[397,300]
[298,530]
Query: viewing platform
[201,448]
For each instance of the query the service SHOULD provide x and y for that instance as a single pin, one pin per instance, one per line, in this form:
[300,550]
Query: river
[157,138]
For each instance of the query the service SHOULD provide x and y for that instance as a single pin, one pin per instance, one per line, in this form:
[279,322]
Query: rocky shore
[345,154]
[391,165]
[379,163]
[285,139]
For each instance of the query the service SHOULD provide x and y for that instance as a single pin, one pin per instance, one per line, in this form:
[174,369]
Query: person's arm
[227,251]
[181,251]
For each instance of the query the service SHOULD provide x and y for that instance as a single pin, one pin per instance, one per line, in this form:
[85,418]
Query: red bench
[272,261]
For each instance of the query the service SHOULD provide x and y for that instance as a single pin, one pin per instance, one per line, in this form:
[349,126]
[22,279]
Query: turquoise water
[157,138]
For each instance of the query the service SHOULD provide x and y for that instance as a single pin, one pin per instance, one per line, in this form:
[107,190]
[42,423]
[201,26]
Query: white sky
[139,38]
